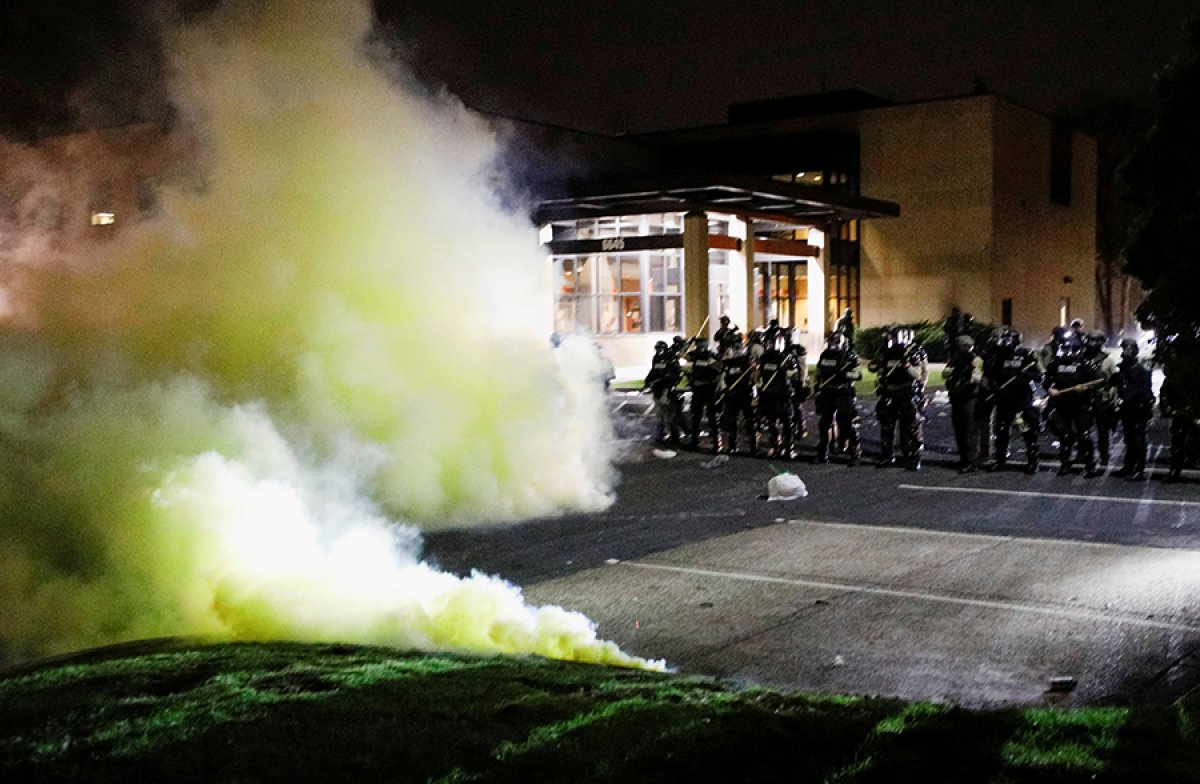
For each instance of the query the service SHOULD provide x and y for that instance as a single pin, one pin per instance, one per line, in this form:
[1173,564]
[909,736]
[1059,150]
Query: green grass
[180,711]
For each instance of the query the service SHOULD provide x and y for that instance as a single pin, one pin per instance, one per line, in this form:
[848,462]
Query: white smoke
[211,423]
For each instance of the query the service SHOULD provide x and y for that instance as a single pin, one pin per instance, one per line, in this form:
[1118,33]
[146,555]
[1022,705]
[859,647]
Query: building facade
[798,208]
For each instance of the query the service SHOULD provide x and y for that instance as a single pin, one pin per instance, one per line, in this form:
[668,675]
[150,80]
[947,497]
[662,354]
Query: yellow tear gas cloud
[212,425]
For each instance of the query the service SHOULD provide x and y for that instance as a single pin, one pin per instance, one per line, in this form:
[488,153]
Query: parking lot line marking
[1034,494]
[897,593]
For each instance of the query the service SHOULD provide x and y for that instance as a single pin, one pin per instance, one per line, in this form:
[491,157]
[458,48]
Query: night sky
[633,65]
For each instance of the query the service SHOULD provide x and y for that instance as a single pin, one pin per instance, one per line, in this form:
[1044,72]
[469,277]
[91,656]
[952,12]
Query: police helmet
[660,346]
[1095,339]
[901,336]
[836,340]
[964,343]
[1007,337]
[1070,347]
[1129,347]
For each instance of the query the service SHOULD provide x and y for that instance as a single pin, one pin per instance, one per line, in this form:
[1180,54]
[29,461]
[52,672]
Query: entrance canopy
[758,198]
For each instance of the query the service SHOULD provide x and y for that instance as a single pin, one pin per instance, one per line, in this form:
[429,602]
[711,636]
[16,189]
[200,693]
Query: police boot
[885,459]
[913,463]
[855,455]
[1065,467]
[1032,455]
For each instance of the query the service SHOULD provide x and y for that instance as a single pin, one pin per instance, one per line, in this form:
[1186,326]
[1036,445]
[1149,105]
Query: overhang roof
[755,197]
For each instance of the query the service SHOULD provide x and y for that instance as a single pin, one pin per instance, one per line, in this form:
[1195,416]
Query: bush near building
[870,341]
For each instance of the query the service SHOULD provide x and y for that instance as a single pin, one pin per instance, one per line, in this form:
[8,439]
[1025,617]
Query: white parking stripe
[1033,494]
[1020,607]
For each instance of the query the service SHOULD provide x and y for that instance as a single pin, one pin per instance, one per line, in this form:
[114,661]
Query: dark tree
[1161,181]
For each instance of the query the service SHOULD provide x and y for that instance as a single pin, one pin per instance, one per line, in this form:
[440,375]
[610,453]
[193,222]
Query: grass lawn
[287,712]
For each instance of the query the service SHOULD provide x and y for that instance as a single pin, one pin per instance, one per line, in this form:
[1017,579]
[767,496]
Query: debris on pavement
[786,487]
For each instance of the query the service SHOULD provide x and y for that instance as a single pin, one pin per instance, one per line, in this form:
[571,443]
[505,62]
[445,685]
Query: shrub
[870,341]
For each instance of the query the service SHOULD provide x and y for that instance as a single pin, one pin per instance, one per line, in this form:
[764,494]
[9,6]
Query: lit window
[104,218]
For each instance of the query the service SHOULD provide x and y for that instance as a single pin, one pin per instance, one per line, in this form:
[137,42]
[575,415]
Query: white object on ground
[786,487]
[716,462]
[664,454]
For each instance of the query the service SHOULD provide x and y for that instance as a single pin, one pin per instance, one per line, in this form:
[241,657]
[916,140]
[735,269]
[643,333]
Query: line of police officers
[760,383]
[747,386]
[1088,393]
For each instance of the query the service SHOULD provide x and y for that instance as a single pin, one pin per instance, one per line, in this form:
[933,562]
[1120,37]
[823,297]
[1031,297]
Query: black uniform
[1104,397]
[798,380]
[737,398]
[663,383]
[1135,392]
[704,371]
[1011,371]
[1185,434]
[775,400]
[902,371]
[963,375]
[726,334]
[837,370]
[1070,380]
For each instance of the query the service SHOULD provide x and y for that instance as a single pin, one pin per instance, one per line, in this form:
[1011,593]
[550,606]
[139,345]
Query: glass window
[617,293]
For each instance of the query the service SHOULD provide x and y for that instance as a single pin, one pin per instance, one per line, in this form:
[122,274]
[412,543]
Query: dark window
[1006,312]
[843,275]
[1060,164]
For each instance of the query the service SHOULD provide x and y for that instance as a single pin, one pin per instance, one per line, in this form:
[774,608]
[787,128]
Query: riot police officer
[725,334]
[703,372]
[837,371]
[1185,433]
[902,371]
[775,399]
[663,383]
[735,396]
[1069,383]
[1104,396]
[1135,392]
[963,376]
[1012,371]
[798,381]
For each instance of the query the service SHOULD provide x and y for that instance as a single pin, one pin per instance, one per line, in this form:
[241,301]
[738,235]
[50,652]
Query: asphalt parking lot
[986,589]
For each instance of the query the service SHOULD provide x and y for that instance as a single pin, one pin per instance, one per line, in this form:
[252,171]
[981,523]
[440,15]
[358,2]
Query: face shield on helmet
[660,347]
[901,337]
[1129,348]
[1070,348]
[1007,338]
[836,341]
[964,343]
